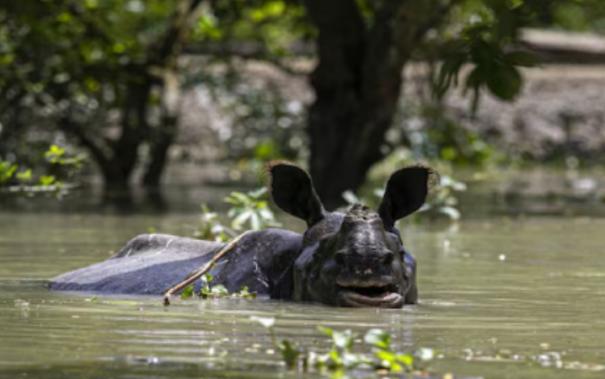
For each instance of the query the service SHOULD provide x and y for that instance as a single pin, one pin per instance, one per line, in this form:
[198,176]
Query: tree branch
[98,148]
[341,43]
[174,38]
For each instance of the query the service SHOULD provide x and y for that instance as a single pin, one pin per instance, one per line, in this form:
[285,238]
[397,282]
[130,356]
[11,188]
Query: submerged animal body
[354,258]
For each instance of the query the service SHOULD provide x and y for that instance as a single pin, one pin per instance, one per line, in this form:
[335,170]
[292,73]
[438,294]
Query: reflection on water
[501,298]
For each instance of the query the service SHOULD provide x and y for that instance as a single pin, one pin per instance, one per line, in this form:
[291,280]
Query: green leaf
[245,293]
[325,330]
[207,27]
[219,290]
[24,176]
[208,278]
[187,292]
[289,354]
[505,82]
[378,338]
[268,10]
[47,180]
[343,340]
[388,359]
[7,170]
[407,360]
[54,154]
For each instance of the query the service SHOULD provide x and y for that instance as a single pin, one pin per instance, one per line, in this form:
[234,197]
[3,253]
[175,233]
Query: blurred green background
[131,96]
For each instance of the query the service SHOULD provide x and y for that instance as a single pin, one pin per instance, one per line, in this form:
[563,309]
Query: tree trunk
[346,137]
[163,135]
[158,152]
[357,84]
[117,158]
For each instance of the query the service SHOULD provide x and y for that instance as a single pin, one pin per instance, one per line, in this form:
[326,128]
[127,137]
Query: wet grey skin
[354,258]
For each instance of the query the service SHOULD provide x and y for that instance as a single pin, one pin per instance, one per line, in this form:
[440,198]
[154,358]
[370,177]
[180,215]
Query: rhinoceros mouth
[374,295]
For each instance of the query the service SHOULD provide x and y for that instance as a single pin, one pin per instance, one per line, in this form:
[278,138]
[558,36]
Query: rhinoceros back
[147,265]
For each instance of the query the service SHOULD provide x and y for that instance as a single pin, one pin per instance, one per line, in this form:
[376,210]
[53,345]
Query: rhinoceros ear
[292,190]
[405,193]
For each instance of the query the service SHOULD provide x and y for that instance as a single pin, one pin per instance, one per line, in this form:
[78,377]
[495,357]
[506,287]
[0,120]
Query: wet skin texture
[354,259]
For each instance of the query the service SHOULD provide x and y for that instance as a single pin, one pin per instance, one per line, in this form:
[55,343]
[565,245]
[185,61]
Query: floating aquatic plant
[209,291]
[248,211]
[341,356]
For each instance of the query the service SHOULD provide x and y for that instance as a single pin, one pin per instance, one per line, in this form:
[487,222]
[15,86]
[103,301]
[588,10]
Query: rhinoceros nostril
[340,257]
[388,257]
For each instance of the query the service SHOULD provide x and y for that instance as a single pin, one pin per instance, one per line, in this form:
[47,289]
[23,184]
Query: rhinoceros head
[355,258]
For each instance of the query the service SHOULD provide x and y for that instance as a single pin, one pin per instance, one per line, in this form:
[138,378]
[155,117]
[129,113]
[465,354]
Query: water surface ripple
[500,298]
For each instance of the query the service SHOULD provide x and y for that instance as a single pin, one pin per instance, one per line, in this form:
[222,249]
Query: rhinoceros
[354,258]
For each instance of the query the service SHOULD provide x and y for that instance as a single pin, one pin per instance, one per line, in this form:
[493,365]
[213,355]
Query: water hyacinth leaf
[378,338]
[350,197]
[219,290]
[205,290]
[267,322]
[236,198]
[208,278]
[388,359]
[239,221]
[448,181]
[187,292]
[255,221]
[258,193]
[289,354]
[351,361]
[245,293]
[343,340]
[450,212]
[407,360]
[326,330]
[334,360]
[425,354]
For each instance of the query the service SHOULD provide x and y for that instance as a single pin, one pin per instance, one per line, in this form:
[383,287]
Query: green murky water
[500,298]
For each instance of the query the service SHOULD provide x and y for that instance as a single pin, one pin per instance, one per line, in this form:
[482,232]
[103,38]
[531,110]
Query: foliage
[7,171]
[271,26]
[265,119]
[80,67]
[209,291]
[341,357]
[73,58]
[57,176]
[443,201]
[481,34]
[211,228]
[578,15]
[434,136]
[95,71]
[481,41]
[249,211]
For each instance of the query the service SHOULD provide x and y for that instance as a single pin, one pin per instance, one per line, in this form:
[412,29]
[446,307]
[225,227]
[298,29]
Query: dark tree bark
[117,158]
[162,137]
[357,84]
[169,47]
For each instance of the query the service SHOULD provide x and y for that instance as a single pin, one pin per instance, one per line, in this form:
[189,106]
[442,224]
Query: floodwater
[501,297]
